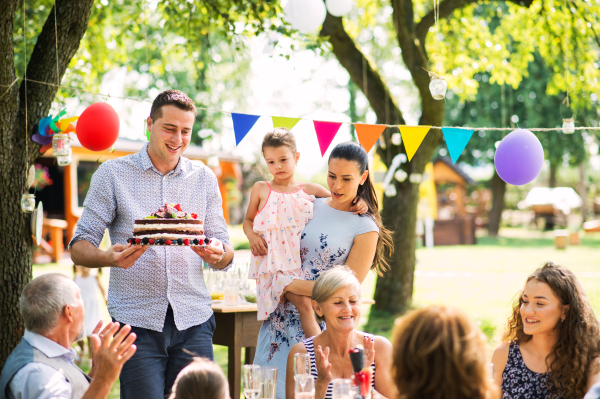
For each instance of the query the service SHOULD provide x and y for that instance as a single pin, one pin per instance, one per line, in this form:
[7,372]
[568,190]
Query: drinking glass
[304,386]
[342,388]
[268,385]
[301,363]
[251,378]
[232,290]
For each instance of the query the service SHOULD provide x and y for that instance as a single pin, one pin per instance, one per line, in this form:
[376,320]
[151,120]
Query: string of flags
[367,134]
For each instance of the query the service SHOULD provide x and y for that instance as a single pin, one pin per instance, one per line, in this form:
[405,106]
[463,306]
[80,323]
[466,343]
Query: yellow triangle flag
[413,136]
[282,121]
[368,134]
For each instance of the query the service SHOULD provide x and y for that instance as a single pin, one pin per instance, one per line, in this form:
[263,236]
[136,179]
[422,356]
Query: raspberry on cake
[169,226]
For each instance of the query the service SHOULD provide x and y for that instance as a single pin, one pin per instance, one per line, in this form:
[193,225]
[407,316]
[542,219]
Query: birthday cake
[169,226]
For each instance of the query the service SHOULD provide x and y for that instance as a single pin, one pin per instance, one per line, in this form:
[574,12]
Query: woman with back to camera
[551,347]
[439,353]
[334,236]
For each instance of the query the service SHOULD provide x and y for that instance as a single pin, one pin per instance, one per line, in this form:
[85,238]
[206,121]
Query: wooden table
[237,328]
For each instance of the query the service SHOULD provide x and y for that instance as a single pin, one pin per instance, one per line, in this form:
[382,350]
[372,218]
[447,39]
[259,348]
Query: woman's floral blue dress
[326,241]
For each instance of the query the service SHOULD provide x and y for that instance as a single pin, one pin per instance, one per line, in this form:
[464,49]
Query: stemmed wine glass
[251,377]
[301,364]
[304,386]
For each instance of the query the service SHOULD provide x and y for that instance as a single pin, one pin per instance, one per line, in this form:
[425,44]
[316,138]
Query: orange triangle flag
[413,136]
[368,134]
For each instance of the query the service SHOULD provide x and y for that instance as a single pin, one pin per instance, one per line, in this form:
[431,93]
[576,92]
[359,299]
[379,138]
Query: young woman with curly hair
[551,346]
[439,353]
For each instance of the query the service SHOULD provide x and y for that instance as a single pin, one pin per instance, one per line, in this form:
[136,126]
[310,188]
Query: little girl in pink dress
[277,213]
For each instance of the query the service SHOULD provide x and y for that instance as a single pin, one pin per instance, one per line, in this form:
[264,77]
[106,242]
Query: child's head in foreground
[201,379]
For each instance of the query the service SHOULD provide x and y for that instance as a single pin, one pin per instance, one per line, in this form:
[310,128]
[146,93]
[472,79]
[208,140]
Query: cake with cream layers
[170,225]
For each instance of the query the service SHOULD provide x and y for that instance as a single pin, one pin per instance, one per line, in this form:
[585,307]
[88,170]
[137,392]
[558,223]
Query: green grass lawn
[482,279]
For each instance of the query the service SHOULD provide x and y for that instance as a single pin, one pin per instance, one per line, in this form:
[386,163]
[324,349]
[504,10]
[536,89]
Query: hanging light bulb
[390,191]
[438,87]
[396,139]
[400,175]
[60,144]
[568,126]
[27,203]
[64,160]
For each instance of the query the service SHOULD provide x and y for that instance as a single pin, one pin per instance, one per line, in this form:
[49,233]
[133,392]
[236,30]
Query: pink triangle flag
[326,131]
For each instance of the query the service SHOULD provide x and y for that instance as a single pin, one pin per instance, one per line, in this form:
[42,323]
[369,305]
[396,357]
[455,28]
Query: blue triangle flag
[456,140]
[242,123]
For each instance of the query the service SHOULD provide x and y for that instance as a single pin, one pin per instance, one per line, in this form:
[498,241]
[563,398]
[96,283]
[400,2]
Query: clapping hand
[110,351]
[323,365]
[369,344]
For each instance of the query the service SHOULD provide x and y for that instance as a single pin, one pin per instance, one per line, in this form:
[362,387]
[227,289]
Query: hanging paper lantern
[305,15]
[338,8]
[438,87]
[519,157]
[98,127]
[569,126]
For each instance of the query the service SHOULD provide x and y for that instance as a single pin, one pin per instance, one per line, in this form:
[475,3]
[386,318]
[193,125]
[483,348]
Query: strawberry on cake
[169,226]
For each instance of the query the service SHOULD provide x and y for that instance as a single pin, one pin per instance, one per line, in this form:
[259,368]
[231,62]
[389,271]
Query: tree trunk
[17,151]
[552,178]
[393,293]
[583,188]
[498,191]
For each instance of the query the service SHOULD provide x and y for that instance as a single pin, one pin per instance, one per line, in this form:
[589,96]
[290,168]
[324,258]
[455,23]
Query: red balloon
[98,127]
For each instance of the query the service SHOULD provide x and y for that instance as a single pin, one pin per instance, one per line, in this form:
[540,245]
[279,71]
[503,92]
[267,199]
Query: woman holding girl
[334,236]
[552,344]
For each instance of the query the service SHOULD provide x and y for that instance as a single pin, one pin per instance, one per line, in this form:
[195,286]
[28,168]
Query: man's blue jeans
[160,356]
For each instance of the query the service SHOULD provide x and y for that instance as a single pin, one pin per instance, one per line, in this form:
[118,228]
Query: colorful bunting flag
[326,131]
[413,136]
[456,140]
[368,134]
[242,123]
[282,121]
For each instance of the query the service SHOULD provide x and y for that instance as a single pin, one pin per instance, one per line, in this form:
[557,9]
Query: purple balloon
[519,157]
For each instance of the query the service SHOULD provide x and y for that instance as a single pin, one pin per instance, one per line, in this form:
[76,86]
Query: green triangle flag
[282,121]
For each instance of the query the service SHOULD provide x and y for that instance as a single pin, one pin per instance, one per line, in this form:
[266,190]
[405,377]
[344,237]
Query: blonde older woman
[336,300]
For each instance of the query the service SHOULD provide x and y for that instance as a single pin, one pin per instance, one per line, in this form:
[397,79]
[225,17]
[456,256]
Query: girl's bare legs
[307,314]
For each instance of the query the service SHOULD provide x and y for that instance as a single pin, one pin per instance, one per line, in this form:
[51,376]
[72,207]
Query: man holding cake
[164,217]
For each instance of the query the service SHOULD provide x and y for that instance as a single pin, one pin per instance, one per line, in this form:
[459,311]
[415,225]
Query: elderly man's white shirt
[40,381]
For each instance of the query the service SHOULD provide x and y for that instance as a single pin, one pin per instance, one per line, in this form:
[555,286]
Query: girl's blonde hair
[279,137]
[330,281]
[200,379]
[439,353]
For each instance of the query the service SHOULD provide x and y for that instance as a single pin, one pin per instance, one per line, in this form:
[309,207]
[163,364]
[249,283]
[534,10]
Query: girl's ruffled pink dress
[280,222]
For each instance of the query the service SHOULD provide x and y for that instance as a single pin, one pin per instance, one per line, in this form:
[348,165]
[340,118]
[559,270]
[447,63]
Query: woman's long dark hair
[355,153]
[577,346]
